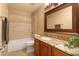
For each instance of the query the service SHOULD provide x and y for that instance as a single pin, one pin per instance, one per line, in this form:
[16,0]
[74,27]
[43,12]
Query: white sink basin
[46,38]
[61,45]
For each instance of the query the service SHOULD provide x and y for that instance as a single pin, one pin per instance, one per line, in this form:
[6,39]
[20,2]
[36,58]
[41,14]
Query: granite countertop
[59,44]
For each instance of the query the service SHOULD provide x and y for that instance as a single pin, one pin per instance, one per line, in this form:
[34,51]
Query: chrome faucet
[49,35]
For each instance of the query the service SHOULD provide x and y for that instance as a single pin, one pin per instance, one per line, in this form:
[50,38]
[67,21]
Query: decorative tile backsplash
[59,36]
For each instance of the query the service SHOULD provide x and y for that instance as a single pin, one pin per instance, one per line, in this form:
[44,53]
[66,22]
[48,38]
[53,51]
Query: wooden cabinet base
[43,49]
[57,52]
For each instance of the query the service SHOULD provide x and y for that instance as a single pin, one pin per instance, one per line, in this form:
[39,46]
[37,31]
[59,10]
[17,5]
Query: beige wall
[62,17]
[19,25]
[38,20]
[3,9]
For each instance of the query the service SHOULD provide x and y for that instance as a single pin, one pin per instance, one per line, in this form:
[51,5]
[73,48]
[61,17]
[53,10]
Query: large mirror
[61,19]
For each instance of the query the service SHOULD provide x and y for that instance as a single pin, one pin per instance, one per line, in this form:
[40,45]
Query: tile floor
[17,53]
[22,52]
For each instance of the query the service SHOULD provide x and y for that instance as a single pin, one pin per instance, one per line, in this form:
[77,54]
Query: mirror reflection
[61,19]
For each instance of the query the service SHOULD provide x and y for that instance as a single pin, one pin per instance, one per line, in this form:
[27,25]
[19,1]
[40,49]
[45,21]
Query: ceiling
[25,7]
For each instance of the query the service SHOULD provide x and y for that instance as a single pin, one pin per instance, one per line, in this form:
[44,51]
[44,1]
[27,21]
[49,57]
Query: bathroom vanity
[44,49]
[62,19]
[49,46]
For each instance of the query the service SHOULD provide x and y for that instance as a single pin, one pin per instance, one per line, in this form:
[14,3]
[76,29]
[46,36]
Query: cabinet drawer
[45,49]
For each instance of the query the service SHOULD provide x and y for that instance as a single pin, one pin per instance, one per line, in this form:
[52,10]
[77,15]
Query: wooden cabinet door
[57,52]
[36,47]
[45,49]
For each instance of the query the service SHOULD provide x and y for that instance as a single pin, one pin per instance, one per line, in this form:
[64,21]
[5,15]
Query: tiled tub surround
[59,44]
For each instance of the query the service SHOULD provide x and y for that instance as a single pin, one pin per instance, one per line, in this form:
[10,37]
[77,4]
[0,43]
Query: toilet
[30,47]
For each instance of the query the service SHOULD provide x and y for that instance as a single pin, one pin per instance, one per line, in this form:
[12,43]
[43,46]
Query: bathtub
[18,44]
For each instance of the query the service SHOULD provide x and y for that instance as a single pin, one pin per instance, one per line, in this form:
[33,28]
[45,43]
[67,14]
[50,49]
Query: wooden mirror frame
[75,18]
